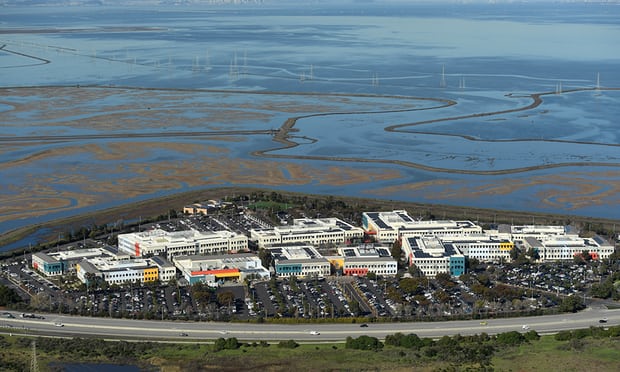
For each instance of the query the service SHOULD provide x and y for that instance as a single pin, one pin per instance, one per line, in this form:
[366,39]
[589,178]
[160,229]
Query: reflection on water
[487,59]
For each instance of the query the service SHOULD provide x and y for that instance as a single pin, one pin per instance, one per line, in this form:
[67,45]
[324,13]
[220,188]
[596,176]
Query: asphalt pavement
[111,328]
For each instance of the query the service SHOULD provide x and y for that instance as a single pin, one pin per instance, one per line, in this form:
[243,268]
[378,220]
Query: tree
[225,298]
[585,254]
[289,344]
[441,296]
[8,296]
[603,290]
[363,343]
[514,253]
[265,257]
[415,271]
[410,341]
[472,263]
[532,335]
[40,301]
[355,308]
[201,294]
[232,343]
[219,344]
[411,286]
[533,254]
[571,304]
[444,280]
[512,338]
[397,252]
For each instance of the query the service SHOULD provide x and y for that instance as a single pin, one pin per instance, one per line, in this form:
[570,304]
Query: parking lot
[238,222]
[528,288]
[485,290]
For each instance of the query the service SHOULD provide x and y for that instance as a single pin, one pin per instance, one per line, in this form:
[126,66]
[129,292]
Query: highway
[154,330]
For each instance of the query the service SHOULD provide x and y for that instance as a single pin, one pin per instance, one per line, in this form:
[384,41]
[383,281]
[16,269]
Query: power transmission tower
[442,82]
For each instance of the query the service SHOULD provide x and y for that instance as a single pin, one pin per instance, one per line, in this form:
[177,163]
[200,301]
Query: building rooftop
[77,254]
[297,252]
[364,250]
[431,247]
[45,257]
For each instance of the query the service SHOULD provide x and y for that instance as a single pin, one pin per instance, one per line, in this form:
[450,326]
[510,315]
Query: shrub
[364,343]
[563,336]
[290,344]
[532,336]
[512,338]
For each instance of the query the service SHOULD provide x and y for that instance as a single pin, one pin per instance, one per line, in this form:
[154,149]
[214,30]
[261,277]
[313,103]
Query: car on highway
[58,324]
[604,320]
[525,327]
[183,334]
[484,322]
[316,333]
[364,325]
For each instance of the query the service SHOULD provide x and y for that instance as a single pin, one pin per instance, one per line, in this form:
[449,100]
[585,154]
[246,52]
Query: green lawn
[546,354]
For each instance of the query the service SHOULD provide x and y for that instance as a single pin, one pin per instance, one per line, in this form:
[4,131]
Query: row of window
[430,262]
[573,251]
[485,257]
[385,272]
[310,239]
[371,266]
[305,273]
[324,267]
[440,233]
[479,246]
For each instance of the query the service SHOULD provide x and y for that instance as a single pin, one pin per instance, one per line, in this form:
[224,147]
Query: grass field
[322,357]
[546,354]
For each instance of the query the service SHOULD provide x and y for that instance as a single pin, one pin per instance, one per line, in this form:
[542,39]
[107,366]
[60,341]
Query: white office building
[387,227]
[364,259]
[432,256]
[484,248]
[567,247]
[123,271]
[316,232]
[181,243]
[300,261]
[518,233]
[216,269]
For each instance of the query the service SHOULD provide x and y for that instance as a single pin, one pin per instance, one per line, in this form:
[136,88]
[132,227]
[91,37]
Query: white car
[525,327]
[316,333]
[58,324]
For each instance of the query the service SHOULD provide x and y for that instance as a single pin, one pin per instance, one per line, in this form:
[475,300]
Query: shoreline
[53,196]
[160,205]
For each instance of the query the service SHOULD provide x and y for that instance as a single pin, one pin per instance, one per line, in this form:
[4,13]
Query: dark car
[604,320]
[364,325]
